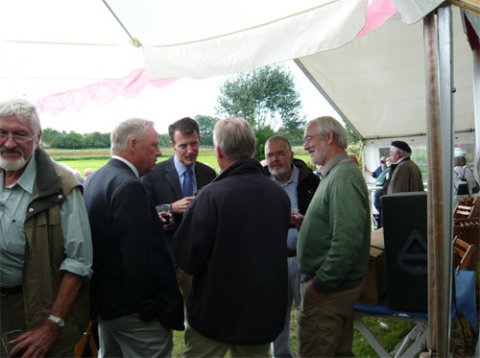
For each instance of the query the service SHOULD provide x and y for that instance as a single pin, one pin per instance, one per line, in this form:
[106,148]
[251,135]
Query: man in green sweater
[333,244]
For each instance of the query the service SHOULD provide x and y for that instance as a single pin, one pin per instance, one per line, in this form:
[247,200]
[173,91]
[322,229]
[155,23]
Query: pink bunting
[378,12]
[99,92]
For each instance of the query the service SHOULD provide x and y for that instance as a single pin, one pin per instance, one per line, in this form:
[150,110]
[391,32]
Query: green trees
[206,125]
[267,99]
[73,140]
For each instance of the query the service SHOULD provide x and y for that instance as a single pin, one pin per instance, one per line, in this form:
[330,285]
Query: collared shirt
[337,158]
[130,165]
[290,187]
[14,200]
[181,168]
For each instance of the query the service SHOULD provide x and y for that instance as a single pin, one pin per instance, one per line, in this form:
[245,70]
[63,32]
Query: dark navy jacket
[233,240]
[133,271]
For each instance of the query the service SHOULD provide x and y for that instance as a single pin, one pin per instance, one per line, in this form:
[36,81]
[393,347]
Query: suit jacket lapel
[172,178]
[201,179]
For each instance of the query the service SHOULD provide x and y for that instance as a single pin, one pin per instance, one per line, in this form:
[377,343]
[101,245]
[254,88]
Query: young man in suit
[134,285]
[175,181]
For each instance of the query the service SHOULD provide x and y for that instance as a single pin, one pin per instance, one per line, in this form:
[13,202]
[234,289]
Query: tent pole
[438,62]
[444,261]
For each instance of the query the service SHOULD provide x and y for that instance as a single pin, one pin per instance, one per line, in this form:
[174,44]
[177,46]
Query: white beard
[12,166]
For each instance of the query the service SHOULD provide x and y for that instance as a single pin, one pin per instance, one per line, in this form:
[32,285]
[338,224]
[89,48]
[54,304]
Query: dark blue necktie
[187,189]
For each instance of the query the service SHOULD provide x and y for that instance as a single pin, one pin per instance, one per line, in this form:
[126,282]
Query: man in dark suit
[174,182]
[134,286]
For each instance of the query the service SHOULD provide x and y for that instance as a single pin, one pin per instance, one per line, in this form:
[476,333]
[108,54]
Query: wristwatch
[57,320]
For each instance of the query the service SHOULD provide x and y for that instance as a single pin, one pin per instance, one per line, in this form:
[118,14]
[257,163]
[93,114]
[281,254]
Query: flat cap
[401,145]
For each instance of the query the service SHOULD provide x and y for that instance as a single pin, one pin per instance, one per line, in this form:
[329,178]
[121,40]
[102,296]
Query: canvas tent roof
[370,78]
[378,80]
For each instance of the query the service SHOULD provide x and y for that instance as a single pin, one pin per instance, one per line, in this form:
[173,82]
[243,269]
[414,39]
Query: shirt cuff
[76,268]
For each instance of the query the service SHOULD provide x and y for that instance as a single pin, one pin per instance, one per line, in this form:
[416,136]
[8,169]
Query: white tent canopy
[81,38]
[378,80]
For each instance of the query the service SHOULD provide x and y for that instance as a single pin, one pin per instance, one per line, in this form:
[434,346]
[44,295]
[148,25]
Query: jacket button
[60,196]
[30,210]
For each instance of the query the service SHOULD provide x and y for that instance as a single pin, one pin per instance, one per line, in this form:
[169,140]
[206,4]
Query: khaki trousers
[198,346]
[325,329]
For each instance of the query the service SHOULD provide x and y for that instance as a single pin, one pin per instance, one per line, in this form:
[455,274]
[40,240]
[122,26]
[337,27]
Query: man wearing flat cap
[404,176]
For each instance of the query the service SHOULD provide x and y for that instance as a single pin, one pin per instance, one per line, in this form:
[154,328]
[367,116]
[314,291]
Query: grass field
[82,159]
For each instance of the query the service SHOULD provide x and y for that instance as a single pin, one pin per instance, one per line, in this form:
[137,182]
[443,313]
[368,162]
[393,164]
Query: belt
[5,291]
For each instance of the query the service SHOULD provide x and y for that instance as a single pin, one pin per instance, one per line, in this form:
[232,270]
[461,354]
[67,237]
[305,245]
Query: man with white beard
[45,242]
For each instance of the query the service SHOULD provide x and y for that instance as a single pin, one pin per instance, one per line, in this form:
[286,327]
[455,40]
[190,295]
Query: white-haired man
[233,240]
[134,287]
[404,175]
[333,244]
[45,242]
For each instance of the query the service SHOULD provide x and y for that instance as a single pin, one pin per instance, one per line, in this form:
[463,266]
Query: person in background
[174,182]
[404,175]
[45,242]
[233,240]
[134,287]
[376,173]
[463,178]
[333,245]
[300,183]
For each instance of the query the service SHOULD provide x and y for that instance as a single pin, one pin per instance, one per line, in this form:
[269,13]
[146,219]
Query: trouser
[281,345]
[184,281]
[128,336]
[198,346]
[13,318]
[325,329]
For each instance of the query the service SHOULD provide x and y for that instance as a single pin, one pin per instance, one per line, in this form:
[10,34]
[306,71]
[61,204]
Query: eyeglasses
[309,138]
[19,138]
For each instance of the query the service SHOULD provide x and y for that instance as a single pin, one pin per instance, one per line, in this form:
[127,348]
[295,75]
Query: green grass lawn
[82,159]
[389,331]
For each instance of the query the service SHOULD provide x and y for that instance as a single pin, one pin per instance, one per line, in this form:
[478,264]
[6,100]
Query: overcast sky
[185,97]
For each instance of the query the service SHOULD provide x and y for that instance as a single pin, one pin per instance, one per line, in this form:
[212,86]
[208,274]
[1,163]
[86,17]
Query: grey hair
[326,124]
[23,110]
[236,138]
[131,128]
[281,139]
[401,151]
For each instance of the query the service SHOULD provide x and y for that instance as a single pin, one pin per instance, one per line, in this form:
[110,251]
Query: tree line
[53,138]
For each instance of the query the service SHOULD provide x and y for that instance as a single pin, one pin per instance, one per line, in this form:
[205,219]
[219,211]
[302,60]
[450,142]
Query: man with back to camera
[233,241]
[175,181]
[134,286]
[333,245]
[300,183]
[45,242]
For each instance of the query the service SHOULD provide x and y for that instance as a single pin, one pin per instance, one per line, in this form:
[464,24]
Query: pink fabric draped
[99,92]
[378,12]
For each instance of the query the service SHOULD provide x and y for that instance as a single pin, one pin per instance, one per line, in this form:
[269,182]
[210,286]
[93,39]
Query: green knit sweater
[334,239]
